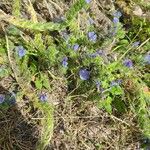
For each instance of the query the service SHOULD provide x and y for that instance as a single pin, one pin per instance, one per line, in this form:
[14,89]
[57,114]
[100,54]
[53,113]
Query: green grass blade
[73,11]
[16,8]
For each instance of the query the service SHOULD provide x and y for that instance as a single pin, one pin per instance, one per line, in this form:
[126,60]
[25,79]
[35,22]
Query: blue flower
[128,63]
[117,14]
[75,47]
[84,74]
[2,98]
[43,97]
[93,55]
[97,53]
[64,62]
[21,51]
[115,20]
[100,52]
[87,1]
[147,59]
[92,36]
[116,82]
[136,44]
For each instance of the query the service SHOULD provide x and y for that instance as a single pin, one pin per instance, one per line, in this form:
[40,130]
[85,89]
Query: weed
[110,70]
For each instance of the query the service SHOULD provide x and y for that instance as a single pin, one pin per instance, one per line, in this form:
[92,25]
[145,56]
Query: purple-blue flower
[2,98]
[147,59]
[93,55]
[21,51]
[87,1]
[116,82]
[100,52]
[75,47]
[65,62]
[117,14]
[97,53]
[136,44]
[115,20]
[43,97]
[92,36]
[128,63]
[84,74]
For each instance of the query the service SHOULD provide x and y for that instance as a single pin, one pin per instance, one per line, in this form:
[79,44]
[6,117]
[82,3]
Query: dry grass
[16,132]
[81,125]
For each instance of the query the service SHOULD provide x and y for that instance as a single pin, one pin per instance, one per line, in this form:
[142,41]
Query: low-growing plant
[115,79]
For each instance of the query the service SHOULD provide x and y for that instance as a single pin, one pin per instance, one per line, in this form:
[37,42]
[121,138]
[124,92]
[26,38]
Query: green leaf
[16,7]
[52,54]
[45,81]
[119,105]
[38,84]
[75,9]
[2,50]
[3,72]
[12,30]
[116,90]
[106,104]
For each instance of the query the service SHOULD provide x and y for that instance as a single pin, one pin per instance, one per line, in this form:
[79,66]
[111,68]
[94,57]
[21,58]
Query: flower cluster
[65,62]
[116,17]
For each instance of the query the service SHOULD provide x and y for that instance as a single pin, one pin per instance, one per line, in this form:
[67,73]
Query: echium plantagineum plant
[81,56]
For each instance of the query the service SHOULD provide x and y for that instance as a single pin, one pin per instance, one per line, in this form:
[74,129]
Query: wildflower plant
[82,57]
